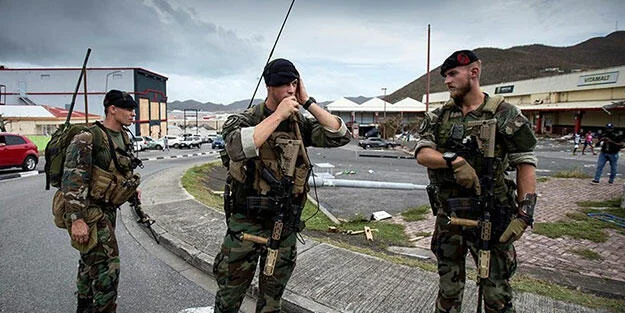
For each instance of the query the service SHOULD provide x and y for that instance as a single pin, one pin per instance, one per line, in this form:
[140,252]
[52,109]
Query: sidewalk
[328,278]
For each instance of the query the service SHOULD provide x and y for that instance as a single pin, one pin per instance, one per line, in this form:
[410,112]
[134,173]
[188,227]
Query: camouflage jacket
[86,150]
[238,134]
[445,128]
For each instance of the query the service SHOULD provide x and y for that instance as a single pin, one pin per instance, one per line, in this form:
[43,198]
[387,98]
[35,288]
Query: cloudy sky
[214,50]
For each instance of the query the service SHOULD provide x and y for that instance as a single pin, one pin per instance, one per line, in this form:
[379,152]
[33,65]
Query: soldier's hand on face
[301,93]
[287,107]
[466,177]
[515,230]
[80,231]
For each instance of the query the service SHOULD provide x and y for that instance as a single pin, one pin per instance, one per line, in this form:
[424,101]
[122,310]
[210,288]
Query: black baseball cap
[458,58]
[120,99]
[279,72]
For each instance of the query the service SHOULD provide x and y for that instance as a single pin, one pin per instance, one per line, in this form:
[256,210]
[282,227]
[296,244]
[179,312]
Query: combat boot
[85,305]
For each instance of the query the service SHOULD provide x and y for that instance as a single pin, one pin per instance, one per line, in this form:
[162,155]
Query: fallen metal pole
[325,182]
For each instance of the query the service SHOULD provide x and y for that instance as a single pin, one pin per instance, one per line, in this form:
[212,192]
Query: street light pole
[384,98]
[106,83]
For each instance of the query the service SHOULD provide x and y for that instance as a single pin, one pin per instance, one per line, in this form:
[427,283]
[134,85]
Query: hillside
[525,62]
[209,106]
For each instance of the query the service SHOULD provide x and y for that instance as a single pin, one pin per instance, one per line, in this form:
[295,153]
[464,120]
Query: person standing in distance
[453,171]
[257,145]
[611,144]
[93,159]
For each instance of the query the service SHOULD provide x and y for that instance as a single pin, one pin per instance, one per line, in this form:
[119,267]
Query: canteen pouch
[58,209]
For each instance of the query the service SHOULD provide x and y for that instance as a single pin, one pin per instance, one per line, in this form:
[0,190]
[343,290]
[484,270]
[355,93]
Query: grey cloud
[122,33]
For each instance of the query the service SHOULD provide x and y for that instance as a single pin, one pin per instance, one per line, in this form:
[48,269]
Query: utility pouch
[58,209]
[300,179]
[464,207]
[101,182]
[435,202]
[124,188]
[260,205]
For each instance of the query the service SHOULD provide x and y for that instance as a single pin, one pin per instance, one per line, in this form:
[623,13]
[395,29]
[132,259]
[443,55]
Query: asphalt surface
[38,266]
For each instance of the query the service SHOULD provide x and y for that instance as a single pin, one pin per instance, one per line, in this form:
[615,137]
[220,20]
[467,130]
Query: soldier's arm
[77,173]
[526,180]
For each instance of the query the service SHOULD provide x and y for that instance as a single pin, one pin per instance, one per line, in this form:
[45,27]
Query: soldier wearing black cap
[611,144]
[448,148]
[261,143]
[94,159]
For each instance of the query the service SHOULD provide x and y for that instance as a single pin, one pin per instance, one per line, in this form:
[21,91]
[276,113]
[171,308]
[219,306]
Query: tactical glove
[515,230]
[466,177]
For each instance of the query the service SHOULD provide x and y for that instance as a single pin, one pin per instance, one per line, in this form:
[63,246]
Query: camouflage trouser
[98,269]
[235,265]
[450,244]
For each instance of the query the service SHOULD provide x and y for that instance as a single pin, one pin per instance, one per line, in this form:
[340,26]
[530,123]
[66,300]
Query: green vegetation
[575,173]
[525,283]
[542,179]
[587,254]
[40,142]
[416,214]
[582,226]
[194,181]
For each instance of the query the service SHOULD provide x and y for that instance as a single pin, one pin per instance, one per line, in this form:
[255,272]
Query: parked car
[18,151]
[140,143]
[173,141]
[157,144]
[218,142]
[375,142]
[193,141]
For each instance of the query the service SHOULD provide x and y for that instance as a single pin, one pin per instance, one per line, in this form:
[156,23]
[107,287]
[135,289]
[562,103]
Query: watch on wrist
[526,208]
[75,216]
[308,102]
[449,157]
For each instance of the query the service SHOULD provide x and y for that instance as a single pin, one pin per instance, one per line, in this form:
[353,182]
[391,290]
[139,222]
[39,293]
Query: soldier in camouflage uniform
[252,145]
[90,201]
[453,171]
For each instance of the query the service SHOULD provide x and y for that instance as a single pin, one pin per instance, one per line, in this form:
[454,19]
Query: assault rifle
[142,218]
[482,137]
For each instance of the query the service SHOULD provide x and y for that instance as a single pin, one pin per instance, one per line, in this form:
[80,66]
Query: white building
[55,87]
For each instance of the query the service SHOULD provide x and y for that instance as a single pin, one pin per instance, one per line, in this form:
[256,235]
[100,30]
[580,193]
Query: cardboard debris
[368,233]
[380,215]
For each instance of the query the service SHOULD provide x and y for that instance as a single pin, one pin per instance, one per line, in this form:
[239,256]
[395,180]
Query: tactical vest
[112,179]
[451,131]
[281,154]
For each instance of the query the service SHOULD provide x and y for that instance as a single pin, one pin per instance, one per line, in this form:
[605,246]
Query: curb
[178,156]
[25,174]
[38,172]
[291,302]
[385,156]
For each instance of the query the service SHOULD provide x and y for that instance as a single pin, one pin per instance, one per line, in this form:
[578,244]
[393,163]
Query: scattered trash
[380,215]
[370,171]
[609,218]
[416,238]
[333,229]
[368,233]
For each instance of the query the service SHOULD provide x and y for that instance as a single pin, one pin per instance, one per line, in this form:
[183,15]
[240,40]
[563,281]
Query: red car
[18,151]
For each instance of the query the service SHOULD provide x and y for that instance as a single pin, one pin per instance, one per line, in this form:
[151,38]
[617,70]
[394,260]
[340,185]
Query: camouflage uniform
[98,267]
[514,145]
[236,263]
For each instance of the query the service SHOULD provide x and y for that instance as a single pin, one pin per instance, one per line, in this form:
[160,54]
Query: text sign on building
[504,89]
[597,79]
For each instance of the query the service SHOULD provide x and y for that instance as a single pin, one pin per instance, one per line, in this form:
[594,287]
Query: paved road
[38,266]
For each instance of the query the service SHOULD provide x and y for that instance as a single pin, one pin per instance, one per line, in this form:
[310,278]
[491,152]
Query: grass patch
[582,226]
[612,203]
[584,229]
[574,173]
[587,254]
[542,179]
[194,180]
[525,283]
[40,142]
[416,214]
